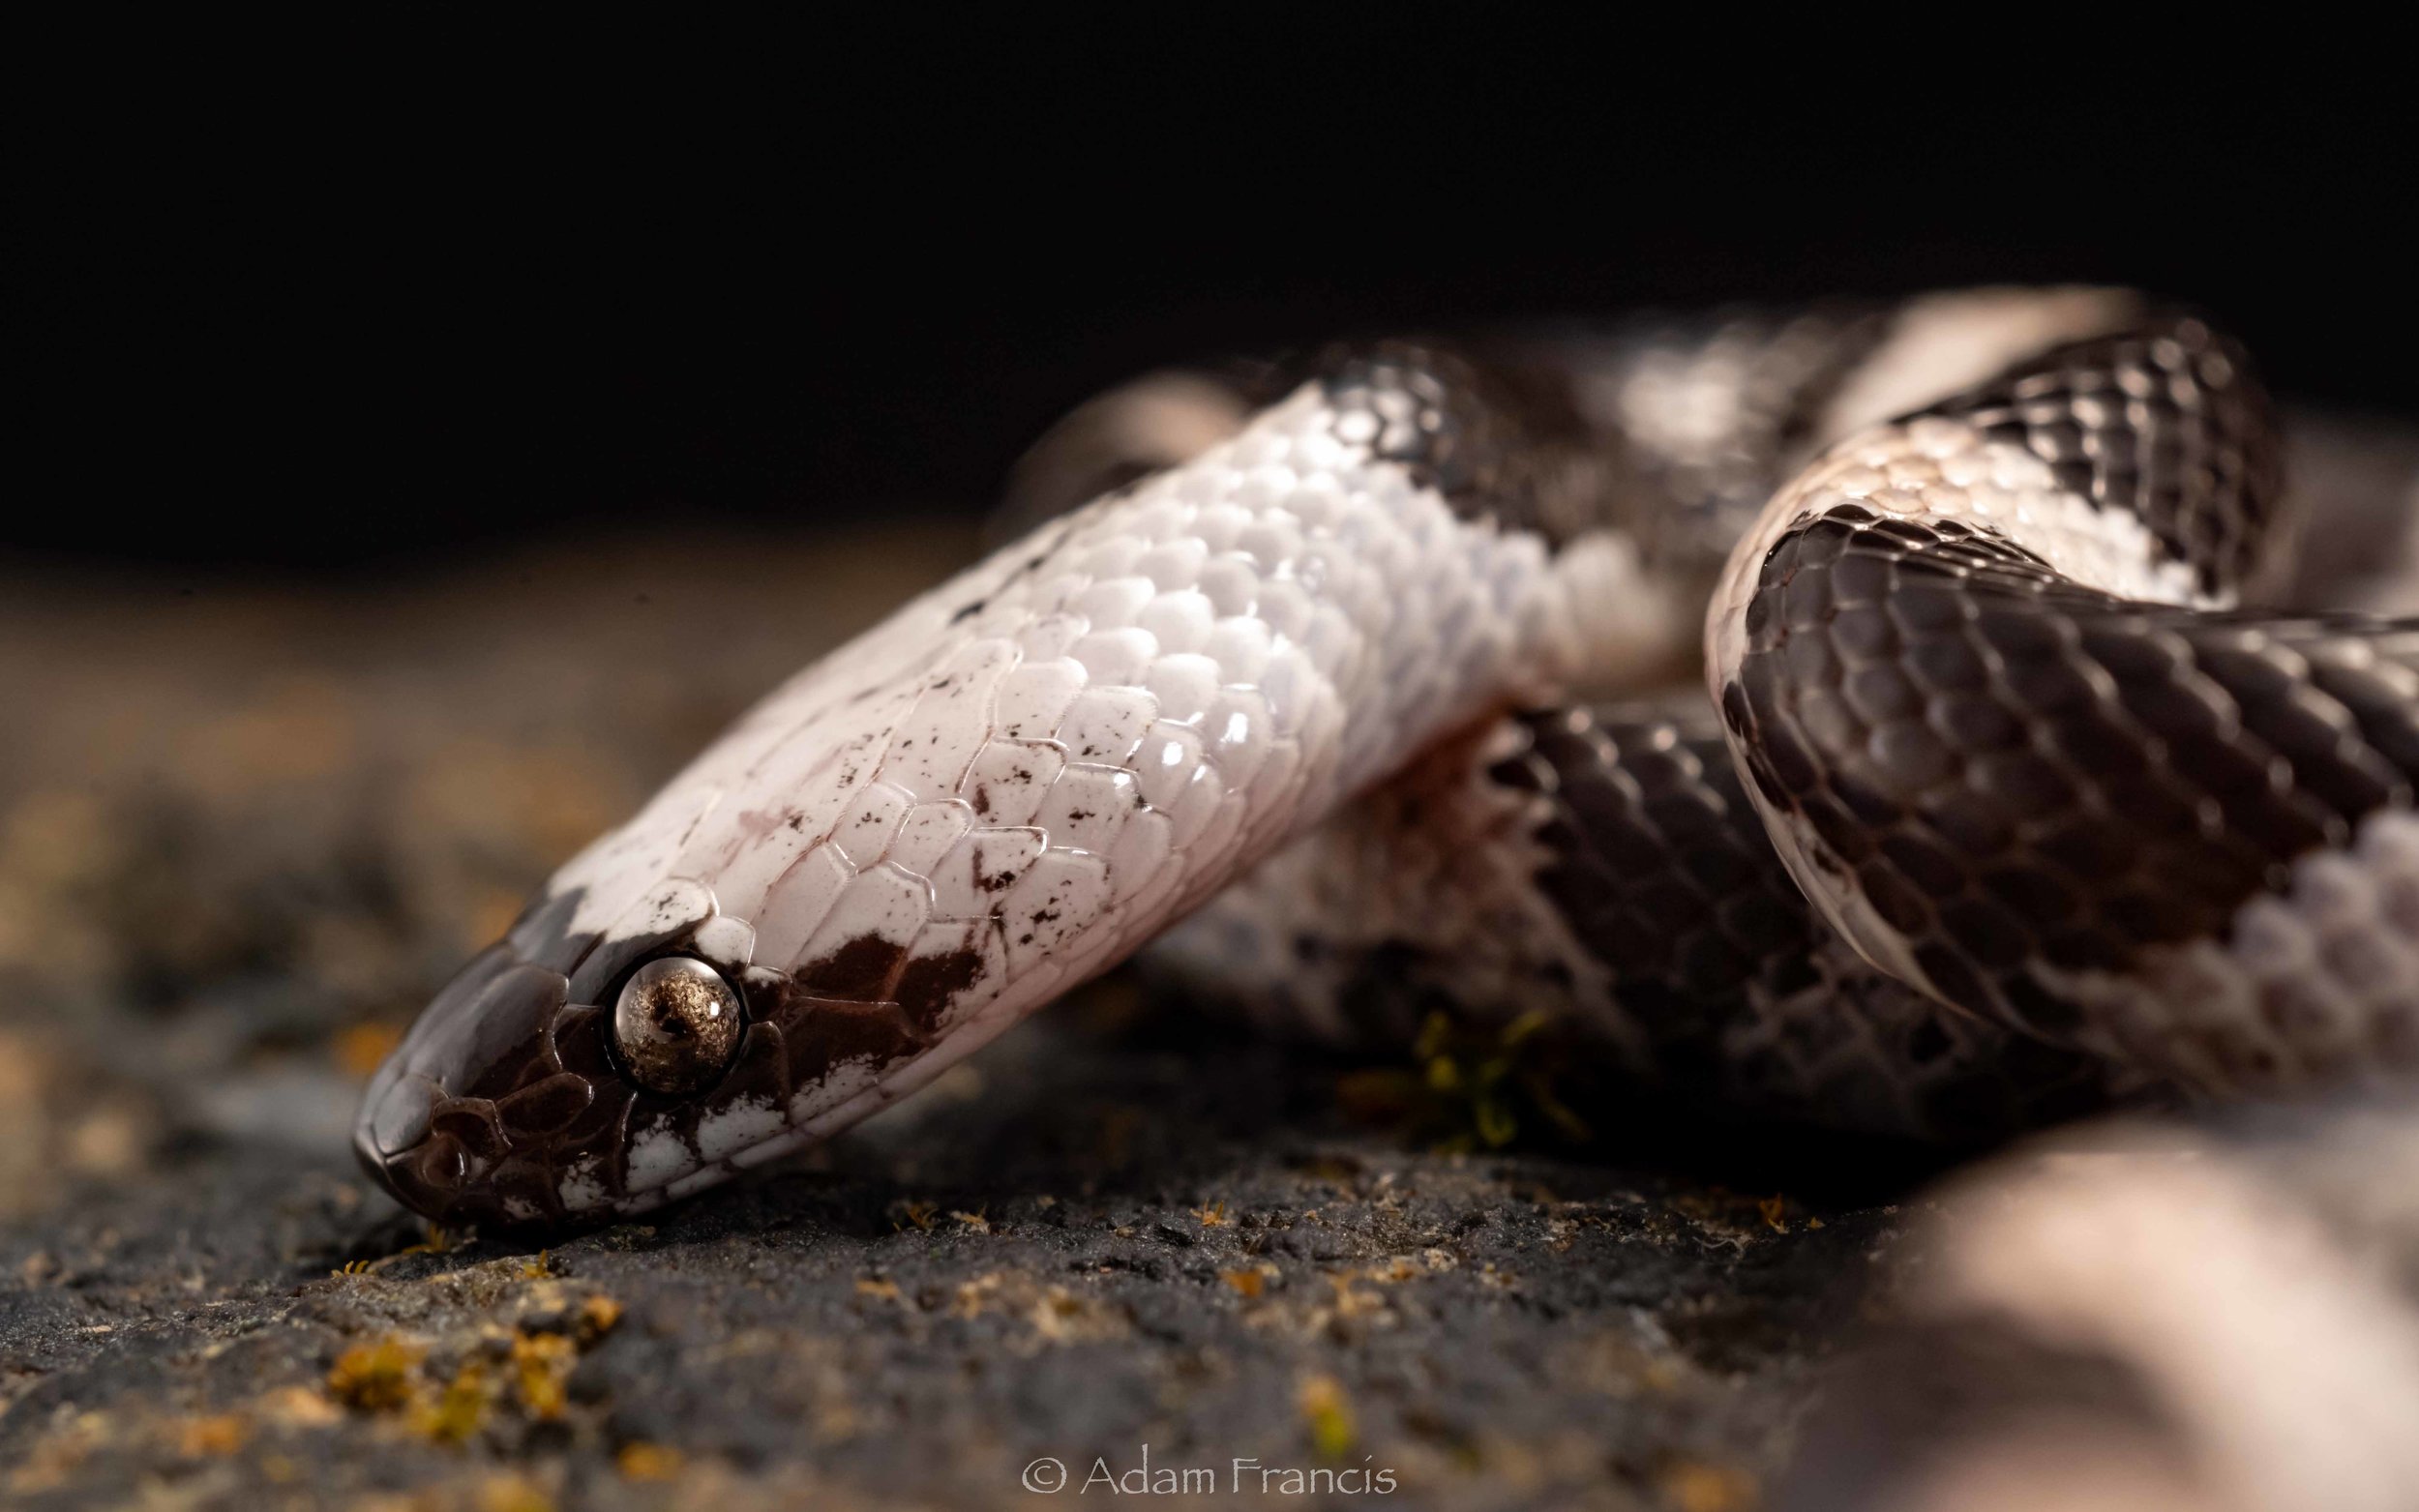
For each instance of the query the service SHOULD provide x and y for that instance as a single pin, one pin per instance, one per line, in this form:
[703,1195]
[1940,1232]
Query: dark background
[415,293]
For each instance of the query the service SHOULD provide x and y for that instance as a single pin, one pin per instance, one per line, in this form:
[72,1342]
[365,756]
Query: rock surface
[1079,1249]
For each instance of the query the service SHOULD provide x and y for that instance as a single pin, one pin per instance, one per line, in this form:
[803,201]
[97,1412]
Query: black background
[336,303]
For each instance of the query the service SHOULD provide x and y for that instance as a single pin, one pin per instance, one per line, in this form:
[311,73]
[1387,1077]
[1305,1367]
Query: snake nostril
[429,1178]
[472,1126]
[406,1143]
[442,1163]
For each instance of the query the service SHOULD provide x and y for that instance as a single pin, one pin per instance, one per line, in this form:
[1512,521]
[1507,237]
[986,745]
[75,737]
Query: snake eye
[677,1024]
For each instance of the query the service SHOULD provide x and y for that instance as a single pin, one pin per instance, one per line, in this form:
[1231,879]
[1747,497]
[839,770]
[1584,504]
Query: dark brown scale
[2094,745]
[1860,580]
[1949,664]
[859,970]
[1995,939]
[1830,721]
[544,1107]
[1813,659]
[2025,782]
[818,1034]
[580,1042]
[1922,860]
[1975,824]
[504,1029]
[1947,970]
[530,1179]
[1850,839]
[1902,904]
[2035,895]
[1910,758]
[761,1071]
[1872,797]
[1719,870]
[930,984]
[1880,694]
[2382,716]
[2045,684]
[1806,604]
[472,1123]
[2077,843]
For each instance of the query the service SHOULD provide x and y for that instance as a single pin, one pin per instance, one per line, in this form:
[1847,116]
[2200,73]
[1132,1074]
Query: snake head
[510,1098]
[569,1073]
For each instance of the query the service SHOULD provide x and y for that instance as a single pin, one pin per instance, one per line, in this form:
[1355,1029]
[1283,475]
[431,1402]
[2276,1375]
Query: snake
[1895,714]
[2003,793]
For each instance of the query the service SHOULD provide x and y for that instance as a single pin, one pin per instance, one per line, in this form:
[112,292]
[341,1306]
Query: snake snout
[398,1145]
[463,1120]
